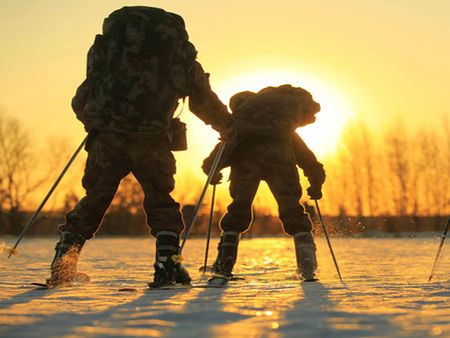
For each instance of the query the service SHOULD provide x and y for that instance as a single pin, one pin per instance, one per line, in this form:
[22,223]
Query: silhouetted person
[137,71]
[268,148]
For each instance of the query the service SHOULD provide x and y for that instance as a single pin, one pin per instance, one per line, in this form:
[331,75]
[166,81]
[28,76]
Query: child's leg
[238,218]
[287,191]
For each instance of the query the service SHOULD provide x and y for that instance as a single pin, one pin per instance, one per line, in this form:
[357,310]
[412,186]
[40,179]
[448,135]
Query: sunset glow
[217,222]
[323,135]
[385,60]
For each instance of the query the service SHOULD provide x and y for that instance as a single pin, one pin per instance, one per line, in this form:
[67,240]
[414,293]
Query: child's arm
[312,168]
[207,164]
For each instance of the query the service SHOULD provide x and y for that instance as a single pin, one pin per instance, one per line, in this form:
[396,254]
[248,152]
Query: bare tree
[17,167]
[55,155]
[446,155]
[434,171]
[335,201]
[356,172]
[129,196]
[426,164]
[398,154]
[389,173]
[370,159]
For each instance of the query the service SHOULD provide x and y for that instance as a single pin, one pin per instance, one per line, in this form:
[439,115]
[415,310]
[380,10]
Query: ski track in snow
[386,292]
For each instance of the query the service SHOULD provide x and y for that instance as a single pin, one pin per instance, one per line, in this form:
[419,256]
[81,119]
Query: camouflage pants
[111,157]
[283,181]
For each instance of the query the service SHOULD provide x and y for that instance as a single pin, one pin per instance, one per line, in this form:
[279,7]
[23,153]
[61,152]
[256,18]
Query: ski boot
[305,251]
[64,266]
[168,267]
[227,254]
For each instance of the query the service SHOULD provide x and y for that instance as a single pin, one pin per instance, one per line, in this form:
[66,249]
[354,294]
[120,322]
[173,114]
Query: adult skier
[137,71]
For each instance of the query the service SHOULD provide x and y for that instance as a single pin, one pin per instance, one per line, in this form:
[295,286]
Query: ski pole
[439,249]
[202,196]
[328,240]
[208,237]
[38,210]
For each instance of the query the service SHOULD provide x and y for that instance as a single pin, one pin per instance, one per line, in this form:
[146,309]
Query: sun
[323,135]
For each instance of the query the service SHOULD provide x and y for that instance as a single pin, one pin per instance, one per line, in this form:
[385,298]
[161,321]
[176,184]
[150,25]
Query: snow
[386,292]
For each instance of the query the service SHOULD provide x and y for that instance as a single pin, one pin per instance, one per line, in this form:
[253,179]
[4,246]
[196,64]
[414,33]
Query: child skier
[268,148]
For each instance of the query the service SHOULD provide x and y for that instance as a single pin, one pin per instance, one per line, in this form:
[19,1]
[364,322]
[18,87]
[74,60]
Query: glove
[228,134]
[315,192]
[217,178]
[92,133]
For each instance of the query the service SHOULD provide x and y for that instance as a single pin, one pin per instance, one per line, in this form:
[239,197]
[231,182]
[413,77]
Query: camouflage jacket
[273,111]
[138,70]
[265,123]
[262,151]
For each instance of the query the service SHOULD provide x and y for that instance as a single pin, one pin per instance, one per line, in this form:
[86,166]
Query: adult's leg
[105,168]
[154,166]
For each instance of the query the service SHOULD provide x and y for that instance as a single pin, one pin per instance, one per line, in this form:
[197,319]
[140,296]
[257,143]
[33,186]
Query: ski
[175,287]
[210,270]
[41,286]
[214,282]
[218,281]
[80,278]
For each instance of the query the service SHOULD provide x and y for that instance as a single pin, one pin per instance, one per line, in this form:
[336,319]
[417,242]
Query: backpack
[137,70]
[273,111]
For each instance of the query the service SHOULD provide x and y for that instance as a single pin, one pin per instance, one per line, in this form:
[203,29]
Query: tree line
[391,172]
[389,180]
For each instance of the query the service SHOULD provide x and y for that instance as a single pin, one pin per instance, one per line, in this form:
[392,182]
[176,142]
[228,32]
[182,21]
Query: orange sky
[379,58]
